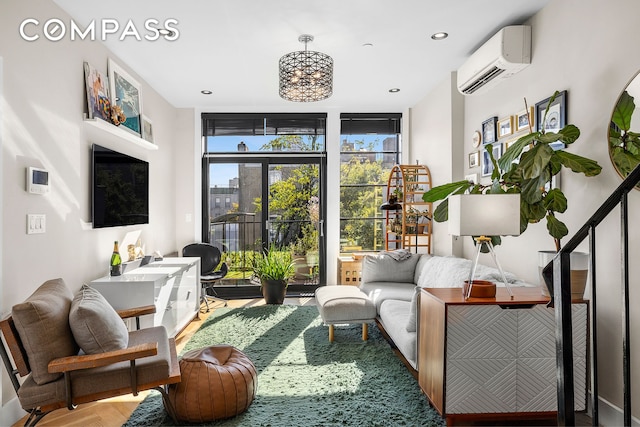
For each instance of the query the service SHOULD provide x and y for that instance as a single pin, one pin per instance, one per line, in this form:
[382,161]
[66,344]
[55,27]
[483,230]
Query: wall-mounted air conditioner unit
[503,55]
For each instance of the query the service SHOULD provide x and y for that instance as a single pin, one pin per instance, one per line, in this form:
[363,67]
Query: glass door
[241,222]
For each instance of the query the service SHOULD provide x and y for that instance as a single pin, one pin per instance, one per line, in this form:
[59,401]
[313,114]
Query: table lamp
[483,215]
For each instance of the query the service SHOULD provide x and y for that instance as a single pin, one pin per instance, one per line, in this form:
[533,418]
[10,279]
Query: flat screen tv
[120,189]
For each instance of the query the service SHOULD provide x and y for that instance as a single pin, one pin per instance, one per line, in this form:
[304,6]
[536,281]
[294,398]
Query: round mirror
[624,130]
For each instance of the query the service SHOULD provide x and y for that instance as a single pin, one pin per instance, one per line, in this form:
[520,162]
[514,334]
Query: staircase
[557,272]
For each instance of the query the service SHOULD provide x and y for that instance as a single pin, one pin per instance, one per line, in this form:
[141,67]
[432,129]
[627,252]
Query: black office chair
[209,259]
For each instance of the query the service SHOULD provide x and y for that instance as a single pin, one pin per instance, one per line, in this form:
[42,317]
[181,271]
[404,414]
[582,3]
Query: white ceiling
[232,47]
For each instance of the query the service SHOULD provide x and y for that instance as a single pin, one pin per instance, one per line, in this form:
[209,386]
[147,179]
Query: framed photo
[472,177]
[556,116]
[477,139]
[489,130]
[487,166]
[147,129]
[125,93]
[523,119]
[505,126]
[98,101]
[474,159]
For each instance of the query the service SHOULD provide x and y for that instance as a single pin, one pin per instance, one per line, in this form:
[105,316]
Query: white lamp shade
[484,215]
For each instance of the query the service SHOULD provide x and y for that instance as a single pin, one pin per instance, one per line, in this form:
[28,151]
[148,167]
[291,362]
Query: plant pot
[579,271]
[480,289]
[274,291]
[301,267]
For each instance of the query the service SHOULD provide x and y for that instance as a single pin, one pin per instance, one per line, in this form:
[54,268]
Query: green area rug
[303,379]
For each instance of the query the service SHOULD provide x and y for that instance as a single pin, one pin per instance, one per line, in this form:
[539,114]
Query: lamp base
[480,289]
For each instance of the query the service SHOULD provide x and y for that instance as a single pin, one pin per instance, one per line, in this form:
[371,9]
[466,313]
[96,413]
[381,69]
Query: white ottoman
[345,304]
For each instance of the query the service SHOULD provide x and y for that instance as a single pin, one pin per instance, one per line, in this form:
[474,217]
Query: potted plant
[274,268]
[527,167]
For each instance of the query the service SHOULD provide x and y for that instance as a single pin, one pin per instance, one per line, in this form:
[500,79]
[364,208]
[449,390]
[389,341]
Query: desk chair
[209,259]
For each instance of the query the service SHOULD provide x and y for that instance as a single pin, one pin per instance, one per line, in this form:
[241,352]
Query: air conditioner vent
[483,80]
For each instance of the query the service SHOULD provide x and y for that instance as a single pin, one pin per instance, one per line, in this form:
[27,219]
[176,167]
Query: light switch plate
[36,223]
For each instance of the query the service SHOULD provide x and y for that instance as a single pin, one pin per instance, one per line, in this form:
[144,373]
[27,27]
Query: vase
[579,271]
[274,291]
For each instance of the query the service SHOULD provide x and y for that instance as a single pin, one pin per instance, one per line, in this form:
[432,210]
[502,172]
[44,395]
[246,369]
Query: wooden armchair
[149,360]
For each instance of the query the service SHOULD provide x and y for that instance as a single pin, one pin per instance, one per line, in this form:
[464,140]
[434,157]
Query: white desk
[172,285]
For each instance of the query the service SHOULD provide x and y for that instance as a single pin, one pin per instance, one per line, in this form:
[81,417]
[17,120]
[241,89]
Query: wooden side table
[494,357]
[349,271]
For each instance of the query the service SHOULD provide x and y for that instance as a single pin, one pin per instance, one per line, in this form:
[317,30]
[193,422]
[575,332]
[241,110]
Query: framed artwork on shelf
[487,166]
[556,117]
[505,126]
[523,120]
[147,129]
[474,159]
[98,101]
[489,130]
[125,93]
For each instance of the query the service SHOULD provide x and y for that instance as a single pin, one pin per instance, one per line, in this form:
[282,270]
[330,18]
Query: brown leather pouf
[217,382]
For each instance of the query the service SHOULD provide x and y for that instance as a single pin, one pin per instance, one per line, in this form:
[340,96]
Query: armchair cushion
[96,326]
[42,321]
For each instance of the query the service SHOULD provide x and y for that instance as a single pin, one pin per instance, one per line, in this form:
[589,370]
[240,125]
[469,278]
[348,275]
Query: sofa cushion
[42,321]
[384,268]
[382,291]
[449,271]
[393,317]
[96,326]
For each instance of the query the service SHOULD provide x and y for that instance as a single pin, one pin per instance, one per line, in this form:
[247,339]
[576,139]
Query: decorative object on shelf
[274,268]
[489,130]
[526,168]
[482,215]
[115,265]
[505,126]
[147,129]
[474,160]
[525,121]
[477,139]
[117,115]
[551,113]
[125,93]
[408,218]
[98,101]
[306,76]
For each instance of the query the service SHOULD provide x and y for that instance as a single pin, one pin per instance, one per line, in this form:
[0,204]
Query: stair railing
[558,271]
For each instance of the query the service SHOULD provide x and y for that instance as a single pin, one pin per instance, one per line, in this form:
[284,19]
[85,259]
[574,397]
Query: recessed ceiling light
[367,45]
[206,92]
[394,90]
[439,36]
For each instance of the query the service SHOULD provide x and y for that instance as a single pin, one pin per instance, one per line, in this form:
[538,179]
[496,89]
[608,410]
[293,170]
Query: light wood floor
[116,411]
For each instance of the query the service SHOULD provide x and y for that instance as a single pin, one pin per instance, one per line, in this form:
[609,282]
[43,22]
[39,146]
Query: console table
[494,357]
[172,285]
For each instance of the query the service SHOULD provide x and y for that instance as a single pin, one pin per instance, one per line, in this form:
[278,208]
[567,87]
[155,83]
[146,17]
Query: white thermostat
[37,180]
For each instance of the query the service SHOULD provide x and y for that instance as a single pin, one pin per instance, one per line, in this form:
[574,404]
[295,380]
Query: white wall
[590,48]
[41,123]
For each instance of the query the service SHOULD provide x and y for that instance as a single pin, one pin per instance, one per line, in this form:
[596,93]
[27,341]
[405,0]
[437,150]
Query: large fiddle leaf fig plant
[624,144]
[527,167]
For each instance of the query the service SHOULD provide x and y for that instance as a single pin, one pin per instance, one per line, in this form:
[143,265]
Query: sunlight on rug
[303,379]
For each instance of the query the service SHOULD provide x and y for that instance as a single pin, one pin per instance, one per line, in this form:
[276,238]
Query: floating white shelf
[120,133]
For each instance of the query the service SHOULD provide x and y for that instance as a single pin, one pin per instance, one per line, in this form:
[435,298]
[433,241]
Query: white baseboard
[11,412]
[611,415]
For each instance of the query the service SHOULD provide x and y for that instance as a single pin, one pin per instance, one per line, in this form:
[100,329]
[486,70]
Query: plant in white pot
[528,167]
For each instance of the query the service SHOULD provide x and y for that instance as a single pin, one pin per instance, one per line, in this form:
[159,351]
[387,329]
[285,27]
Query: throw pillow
[412,324]
[384,268]
[42,321]
[96,326]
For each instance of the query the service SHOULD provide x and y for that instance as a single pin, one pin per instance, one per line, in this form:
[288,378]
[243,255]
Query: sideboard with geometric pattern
[494,357]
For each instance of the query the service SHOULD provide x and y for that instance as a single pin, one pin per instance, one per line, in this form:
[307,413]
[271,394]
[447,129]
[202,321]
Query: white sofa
[394,286]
